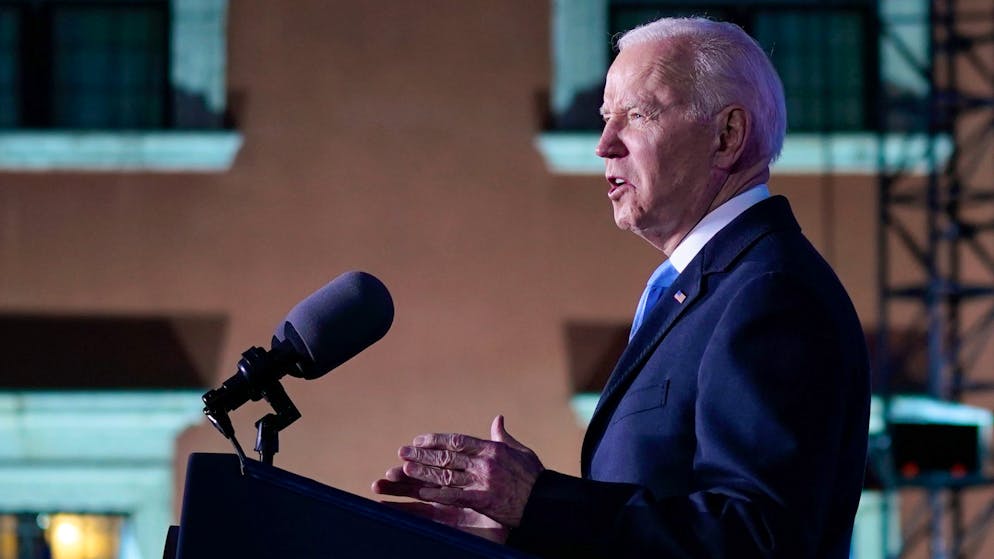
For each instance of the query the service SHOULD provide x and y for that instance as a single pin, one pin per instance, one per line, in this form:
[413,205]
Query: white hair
[728,66]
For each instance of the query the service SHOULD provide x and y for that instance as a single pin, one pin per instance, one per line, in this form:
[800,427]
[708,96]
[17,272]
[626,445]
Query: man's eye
[635,116]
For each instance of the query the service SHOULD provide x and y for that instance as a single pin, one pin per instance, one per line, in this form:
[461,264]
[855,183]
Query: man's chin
[626,223]
[623,220]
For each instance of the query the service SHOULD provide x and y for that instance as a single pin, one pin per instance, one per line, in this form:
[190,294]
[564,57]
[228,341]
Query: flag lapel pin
[680,297]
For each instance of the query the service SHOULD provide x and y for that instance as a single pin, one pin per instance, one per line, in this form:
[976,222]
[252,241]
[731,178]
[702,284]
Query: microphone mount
[258,378]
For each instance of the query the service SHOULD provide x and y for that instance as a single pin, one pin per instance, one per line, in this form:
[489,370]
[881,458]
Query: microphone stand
[258,377]
[267,441]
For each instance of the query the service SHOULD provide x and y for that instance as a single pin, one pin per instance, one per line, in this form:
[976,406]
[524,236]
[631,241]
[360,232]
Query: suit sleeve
[769,422]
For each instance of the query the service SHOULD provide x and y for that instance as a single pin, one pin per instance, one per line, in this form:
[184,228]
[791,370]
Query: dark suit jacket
[734,424]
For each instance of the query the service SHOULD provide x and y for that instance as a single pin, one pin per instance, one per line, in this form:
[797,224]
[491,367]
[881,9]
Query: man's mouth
[615,186]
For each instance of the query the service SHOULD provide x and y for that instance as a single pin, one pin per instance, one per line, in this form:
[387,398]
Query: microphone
[335,323]
[326,329]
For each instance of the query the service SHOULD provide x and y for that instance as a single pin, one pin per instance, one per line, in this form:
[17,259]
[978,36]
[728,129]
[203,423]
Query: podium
[266,512]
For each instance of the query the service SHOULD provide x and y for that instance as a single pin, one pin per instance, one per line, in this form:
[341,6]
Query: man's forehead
[645,72]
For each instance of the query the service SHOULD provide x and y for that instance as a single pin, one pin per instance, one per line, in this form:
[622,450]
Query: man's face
[657,160]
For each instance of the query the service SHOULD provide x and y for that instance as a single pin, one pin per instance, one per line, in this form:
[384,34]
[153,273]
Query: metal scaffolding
[936,233]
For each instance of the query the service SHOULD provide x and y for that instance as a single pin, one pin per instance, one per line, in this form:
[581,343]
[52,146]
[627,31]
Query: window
[9,67]
[60,536]
[828,71]
[114,85]
[78,65]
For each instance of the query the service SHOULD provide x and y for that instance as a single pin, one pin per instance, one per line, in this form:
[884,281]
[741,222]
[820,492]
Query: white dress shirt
[714,222]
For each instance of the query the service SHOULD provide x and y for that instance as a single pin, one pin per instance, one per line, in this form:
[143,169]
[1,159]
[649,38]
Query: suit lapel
[657,323]
[717,255]
[654,328]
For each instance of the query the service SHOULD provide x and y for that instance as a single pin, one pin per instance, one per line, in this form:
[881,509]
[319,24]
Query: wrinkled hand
[493,478]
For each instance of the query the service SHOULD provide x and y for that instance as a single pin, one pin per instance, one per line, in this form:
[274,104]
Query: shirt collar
[714,222]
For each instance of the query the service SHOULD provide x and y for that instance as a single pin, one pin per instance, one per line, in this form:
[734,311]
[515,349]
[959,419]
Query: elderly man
[735,422]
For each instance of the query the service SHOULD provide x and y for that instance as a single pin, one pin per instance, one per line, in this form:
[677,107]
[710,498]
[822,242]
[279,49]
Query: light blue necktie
[662,278]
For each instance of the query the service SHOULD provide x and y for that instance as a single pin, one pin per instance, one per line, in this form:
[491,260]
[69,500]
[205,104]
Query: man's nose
[610,145]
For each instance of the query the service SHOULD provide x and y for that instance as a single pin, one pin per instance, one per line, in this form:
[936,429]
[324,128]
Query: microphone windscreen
[336,322]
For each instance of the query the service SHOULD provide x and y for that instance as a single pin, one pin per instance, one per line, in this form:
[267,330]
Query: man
[735,422]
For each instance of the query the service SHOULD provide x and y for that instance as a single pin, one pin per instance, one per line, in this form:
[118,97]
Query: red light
[910,469]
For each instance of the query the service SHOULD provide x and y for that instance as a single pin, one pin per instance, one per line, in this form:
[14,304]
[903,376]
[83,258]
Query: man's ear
[733,125]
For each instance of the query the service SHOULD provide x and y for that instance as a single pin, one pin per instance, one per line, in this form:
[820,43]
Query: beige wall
[397,140]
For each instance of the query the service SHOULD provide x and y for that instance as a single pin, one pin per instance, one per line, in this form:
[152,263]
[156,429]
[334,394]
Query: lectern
[265,512]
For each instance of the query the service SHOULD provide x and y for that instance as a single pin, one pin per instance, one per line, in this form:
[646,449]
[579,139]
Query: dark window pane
[108,67]
[820,57]
[9,67]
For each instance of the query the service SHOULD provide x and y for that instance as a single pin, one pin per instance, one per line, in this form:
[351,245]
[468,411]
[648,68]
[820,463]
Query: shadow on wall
[593,348]
[109,352]
[906,363]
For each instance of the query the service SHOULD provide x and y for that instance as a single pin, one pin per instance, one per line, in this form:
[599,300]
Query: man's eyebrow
[646,105]
[622,107]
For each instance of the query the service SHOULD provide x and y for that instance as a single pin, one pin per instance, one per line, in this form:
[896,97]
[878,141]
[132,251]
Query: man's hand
[493,478]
